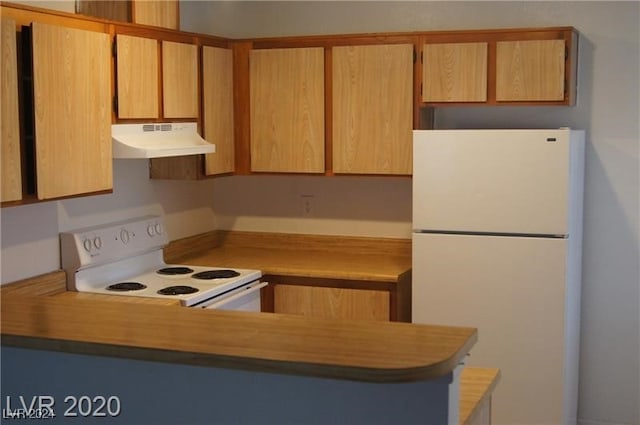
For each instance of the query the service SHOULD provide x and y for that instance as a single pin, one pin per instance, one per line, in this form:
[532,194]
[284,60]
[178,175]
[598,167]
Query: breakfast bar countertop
[39,313]
[287,344]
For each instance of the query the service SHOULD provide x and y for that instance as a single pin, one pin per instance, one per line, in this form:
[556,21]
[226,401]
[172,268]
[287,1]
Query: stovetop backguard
[95,246]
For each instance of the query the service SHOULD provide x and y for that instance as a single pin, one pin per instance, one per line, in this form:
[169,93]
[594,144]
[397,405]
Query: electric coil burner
[215,274]
[175,270]
[126,259]
[126,286]
[177,290]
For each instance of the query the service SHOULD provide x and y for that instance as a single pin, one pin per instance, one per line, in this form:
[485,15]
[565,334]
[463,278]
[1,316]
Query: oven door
[244,298]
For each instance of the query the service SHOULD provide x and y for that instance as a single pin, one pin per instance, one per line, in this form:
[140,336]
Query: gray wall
[607,109]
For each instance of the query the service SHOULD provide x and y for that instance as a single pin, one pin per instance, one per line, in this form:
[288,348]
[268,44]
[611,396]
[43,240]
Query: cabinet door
[180,80]
[137,77]
[372,109]
[9,116]
[454,72]
[530,70]
[217,104]
[287,110]
[113,10]
[72,102]
[158,13]
[331,302]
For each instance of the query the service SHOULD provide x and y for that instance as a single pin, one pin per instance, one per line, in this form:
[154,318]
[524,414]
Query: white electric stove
[125,258]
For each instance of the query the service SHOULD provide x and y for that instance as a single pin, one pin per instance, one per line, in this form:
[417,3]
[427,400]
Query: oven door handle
[251,288]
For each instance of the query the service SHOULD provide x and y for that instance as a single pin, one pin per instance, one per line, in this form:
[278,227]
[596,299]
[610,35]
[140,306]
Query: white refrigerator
[496,245]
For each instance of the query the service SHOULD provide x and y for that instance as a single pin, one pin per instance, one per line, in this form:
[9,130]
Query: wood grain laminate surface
[37,313]
[11,168]
[317,256]
[288,344]
[72,110]
[476,387]
[292,263]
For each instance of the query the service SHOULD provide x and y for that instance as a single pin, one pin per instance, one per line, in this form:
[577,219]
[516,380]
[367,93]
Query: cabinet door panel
[331,302]
[9,116]
[159,13]
[137,77]
[111,10]
[287,110]
[217,94]
[530,70]
[180,80]
[72,101]
[372,109]
[455,72]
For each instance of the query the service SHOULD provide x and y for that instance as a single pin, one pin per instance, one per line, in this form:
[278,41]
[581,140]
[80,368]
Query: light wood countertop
[314,256]
[39,313]
[301,263]
[476,387]
[287,344]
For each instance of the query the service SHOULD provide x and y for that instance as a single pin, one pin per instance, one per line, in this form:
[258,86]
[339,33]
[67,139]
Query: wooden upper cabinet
[180,80]
[72,109]
[454,72]
[531,70]
[217,104]
[137,77]
[9,115]
[114,10]
[372,109]
[527,67]
[287,110]
[159,13]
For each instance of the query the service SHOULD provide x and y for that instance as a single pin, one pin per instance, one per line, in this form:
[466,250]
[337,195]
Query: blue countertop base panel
[93,389]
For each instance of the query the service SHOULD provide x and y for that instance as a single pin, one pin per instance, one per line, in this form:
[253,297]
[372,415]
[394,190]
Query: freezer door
[514,291]
[495,181]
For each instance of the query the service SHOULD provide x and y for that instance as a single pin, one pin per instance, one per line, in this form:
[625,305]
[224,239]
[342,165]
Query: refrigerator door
[514,291]
[493,181]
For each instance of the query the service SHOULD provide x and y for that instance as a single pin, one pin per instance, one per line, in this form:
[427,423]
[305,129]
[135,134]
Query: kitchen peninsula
[167,364]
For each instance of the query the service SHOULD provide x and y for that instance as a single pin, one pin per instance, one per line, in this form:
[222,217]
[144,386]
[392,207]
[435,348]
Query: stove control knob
[124,236]
[97,242]
[159,229]
[150,230]
[87,245]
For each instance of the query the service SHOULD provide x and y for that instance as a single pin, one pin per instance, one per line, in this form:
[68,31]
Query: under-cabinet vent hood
[158,140]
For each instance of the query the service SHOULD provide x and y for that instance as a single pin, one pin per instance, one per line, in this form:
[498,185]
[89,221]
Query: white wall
[357,206]
[29,233]
[607,108]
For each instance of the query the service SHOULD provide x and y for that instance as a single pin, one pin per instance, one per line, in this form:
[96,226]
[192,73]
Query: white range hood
[158,140]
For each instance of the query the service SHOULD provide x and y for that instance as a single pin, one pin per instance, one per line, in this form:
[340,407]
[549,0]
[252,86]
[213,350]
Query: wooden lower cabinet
[331,302]
[338,299]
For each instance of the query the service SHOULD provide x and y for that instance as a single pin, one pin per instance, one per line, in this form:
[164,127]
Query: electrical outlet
[306,205]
